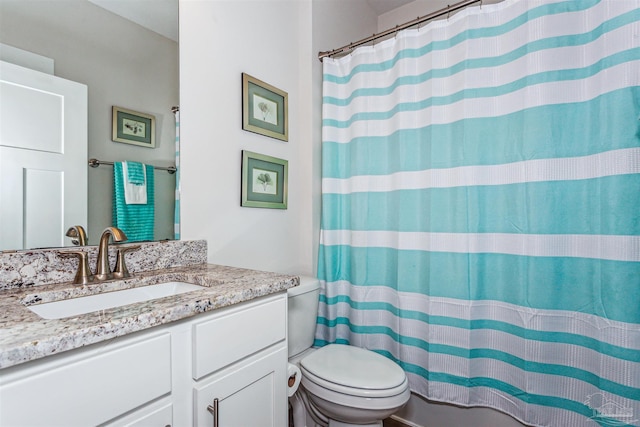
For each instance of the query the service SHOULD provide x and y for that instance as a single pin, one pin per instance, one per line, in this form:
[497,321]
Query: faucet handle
[83,274]
[121,270]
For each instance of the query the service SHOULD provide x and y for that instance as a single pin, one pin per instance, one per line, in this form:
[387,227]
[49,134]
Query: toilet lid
[354,367]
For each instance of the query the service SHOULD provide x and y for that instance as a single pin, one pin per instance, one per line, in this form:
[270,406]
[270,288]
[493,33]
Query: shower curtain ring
[448,11]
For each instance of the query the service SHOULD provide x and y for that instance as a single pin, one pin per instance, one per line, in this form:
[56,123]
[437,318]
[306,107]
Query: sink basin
[82,305]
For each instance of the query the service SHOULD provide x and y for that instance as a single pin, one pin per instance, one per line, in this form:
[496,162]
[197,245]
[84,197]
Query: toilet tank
[302,314]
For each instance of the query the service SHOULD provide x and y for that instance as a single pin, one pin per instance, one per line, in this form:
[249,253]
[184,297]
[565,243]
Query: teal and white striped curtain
[481,208]
[176,215]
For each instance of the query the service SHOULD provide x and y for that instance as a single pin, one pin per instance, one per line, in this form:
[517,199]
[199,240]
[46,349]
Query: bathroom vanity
[217,352]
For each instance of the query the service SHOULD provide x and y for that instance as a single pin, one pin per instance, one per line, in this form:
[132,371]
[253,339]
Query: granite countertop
[25,336]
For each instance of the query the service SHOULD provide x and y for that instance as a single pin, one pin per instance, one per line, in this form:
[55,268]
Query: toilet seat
[354,372]
[311,381]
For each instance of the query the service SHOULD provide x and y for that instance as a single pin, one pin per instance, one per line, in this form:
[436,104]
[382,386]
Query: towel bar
[94,163]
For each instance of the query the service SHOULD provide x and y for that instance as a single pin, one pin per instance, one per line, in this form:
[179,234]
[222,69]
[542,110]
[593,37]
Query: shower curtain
[481,208]
[176,215]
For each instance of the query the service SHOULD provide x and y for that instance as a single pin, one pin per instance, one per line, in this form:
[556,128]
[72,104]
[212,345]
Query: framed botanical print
[264,108]
[131,127]
[264,181]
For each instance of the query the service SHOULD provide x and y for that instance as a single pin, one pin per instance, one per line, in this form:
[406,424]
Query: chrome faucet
[103,270]
[78,235]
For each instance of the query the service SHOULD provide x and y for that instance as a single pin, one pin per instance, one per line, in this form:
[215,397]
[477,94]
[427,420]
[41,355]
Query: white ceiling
[384,6]
[162,18]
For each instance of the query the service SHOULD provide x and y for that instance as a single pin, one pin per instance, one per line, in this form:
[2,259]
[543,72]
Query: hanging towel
[135,173]
[136,220]
[134,194]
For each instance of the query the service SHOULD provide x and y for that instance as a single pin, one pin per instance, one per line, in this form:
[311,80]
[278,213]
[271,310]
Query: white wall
[272,41]
[122,64]
[219,40]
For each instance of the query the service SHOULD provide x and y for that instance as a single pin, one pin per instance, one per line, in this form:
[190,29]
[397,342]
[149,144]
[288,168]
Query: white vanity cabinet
[247,385]
[165,376]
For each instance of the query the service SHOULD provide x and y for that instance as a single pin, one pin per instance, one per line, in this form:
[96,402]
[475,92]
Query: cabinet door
[250,393]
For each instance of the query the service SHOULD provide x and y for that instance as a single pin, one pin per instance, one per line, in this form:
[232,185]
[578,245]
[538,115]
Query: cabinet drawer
[238,333]
[105,383]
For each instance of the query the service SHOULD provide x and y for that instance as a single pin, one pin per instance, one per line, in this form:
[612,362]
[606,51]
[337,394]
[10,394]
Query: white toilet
[341,385]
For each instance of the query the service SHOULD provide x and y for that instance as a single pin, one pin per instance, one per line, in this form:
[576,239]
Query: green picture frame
[265,108]
[132,127]
[264,181]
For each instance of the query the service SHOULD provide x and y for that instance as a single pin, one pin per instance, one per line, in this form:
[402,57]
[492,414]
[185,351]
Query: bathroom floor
[389,422]
[385,423]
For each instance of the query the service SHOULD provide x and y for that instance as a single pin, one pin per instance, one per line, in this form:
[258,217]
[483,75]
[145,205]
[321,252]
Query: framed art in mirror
[264,108]
[132,127]
[264,181]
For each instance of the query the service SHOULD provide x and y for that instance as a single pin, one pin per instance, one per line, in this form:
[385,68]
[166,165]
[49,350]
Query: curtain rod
[94,163]
[417,21]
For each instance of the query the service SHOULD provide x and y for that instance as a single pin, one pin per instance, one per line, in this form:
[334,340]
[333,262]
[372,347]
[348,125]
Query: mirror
[122,64]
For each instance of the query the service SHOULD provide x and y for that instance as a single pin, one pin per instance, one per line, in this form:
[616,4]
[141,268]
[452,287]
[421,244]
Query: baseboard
[396,421]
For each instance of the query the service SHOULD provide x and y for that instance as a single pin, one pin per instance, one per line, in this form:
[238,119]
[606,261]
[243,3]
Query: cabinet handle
[214,411]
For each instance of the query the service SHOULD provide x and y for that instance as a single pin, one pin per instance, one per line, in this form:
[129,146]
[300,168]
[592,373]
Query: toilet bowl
[352,385]
[341,385]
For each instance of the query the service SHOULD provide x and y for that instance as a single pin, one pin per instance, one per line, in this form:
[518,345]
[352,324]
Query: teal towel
[135,175]
[137,221]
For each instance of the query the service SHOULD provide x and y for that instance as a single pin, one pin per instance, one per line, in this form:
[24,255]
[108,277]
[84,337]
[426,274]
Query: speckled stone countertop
[25,336]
